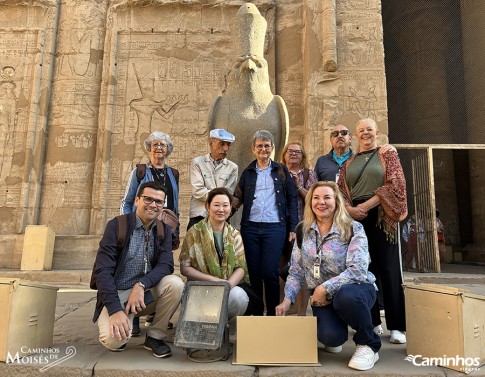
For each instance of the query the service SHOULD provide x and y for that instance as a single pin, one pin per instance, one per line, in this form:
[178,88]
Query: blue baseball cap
[223,135]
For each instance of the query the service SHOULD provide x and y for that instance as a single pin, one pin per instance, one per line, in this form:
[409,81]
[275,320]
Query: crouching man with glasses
[133,274]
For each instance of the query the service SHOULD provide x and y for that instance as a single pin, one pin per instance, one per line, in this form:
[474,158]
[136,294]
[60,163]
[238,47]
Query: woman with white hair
[159,145]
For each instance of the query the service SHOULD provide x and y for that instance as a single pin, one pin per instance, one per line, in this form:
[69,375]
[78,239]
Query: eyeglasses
[149,200]
[293,151]
[341,132]
[159,146]
[261,146]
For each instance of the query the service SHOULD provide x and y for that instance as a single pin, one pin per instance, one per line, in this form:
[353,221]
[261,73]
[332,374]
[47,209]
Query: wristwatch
[142,285]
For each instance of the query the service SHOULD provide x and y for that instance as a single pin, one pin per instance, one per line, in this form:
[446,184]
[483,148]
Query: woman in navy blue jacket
[269,216]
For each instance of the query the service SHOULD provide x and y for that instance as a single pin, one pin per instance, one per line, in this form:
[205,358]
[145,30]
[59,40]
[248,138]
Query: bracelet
[298,188]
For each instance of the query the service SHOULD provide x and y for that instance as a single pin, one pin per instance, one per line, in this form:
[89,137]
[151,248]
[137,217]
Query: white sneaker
[333,349]
[364,358]
[379,330]
[398,337]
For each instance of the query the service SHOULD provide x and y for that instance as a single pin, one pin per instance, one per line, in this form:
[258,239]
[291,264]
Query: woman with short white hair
[159,146]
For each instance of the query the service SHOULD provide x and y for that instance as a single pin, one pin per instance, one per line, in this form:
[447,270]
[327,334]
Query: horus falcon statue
[247,104]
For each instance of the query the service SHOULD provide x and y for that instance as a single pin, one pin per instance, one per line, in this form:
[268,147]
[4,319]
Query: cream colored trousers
[167,296]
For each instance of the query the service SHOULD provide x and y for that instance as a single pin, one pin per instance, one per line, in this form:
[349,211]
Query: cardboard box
[445,323]
[27,320]
[288,340]
[38,248]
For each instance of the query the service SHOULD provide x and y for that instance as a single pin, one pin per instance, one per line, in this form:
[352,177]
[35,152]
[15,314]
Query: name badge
[316,270]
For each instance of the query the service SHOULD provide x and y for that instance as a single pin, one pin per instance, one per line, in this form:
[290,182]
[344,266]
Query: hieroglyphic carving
[70,188]
[362,41]
[80,38]
[359,4]
[358,88]
[18,54]
[158,91]
[26,50]
[163,67]
[73,118]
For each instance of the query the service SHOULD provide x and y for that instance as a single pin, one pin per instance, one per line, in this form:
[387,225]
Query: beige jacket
[204,177]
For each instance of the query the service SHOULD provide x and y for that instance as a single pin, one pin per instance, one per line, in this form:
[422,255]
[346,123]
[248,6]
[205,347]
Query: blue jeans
[263,245]
[351,306]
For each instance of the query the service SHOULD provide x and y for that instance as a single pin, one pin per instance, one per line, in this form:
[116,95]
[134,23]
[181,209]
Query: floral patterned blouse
[340,262]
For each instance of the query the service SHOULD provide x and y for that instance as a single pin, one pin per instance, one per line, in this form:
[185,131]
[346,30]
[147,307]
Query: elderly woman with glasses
[293,156]
[159,145]
[268,195]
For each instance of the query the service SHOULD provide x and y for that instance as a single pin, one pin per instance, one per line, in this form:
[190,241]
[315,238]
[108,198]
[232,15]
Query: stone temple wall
[83,82]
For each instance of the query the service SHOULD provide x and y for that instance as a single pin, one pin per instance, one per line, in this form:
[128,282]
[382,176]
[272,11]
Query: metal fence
[419,231]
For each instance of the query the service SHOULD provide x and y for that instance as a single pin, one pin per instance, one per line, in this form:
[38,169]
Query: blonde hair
[341,219]
[304,161]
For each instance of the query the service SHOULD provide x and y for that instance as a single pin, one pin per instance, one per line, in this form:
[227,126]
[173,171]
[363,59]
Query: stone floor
[78,353]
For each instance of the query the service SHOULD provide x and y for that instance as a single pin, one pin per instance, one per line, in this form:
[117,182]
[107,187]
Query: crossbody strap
[363,168]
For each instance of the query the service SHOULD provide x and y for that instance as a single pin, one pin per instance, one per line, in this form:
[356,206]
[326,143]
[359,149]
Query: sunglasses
[149,200]
[341,132]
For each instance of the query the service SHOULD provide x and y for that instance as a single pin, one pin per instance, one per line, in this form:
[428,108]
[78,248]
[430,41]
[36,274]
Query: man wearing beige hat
[211,171]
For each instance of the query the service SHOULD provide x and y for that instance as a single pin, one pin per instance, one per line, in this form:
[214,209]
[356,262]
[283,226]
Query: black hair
[153,185]
[218,191]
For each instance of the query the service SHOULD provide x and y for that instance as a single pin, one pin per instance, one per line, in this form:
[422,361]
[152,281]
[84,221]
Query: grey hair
[157,135]
[263,135]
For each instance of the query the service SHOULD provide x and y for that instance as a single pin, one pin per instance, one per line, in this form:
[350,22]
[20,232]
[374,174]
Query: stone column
[473,32]
[27,48]
[73,122]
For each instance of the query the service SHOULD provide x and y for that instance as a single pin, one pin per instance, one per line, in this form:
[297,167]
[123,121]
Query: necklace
[159,174]
[366,154]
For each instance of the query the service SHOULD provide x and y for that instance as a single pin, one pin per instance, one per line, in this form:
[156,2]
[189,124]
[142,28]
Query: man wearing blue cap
[211,171]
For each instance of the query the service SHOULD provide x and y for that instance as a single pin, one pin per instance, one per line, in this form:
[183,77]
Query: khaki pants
[167,294]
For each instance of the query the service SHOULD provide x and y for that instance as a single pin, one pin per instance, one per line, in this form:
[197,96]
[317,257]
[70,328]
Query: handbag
[169,217]
[255,304]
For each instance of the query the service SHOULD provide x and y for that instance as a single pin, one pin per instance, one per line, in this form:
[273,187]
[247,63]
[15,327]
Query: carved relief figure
[8,102]
[248,104]
[79,44]
[146,106]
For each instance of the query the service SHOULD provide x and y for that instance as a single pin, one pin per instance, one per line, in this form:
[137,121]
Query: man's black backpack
[120,242]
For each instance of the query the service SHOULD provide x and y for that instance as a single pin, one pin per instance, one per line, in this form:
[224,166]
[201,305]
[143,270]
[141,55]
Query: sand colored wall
[82,84]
